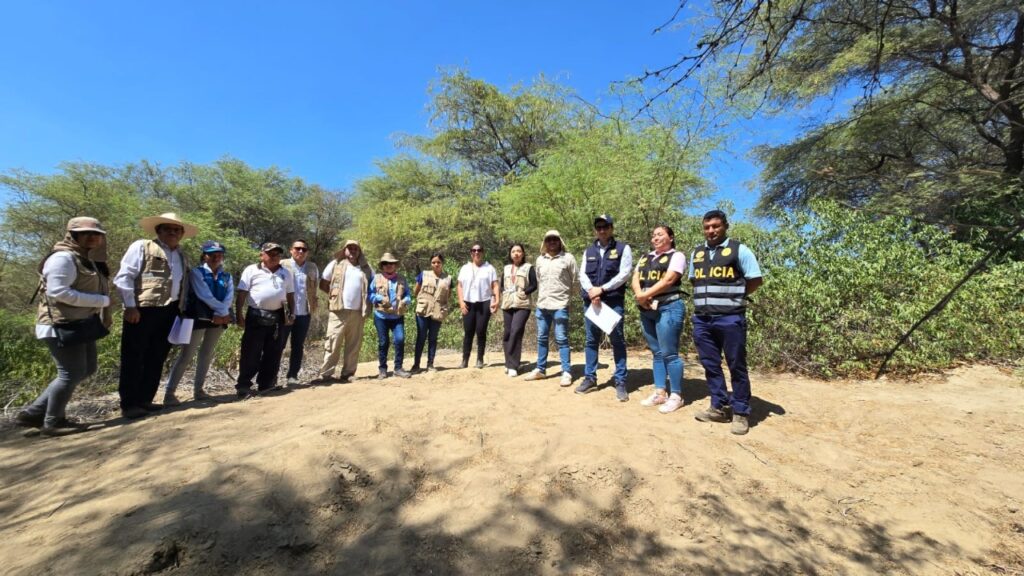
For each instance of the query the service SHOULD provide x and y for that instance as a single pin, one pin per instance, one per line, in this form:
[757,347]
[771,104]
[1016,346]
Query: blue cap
[604,218]
[211,246]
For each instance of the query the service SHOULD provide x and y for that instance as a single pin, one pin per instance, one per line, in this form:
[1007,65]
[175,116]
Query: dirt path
[468,472]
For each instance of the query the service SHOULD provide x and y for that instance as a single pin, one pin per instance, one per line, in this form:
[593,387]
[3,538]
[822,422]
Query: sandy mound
[468,472]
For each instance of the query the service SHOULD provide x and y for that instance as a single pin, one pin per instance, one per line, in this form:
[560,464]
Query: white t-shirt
[476,282]
[267,290]
[352,295]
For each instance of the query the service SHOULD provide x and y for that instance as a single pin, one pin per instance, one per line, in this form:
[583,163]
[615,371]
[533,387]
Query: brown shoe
[712,414]
[740,426]
[26,420]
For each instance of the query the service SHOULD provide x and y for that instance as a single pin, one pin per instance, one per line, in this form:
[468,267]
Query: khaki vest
[334,302]
[86,280]
[380,285]
[517,298]
[312,280]
[432,301]
[153,284]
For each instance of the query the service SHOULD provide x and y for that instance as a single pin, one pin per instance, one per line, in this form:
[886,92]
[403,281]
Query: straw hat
[150,223]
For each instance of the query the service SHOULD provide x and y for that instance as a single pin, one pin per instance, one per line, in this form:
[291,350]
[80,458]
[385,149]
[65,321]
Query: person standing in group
[556,272]
[153,285]
[389,294]
[433,291]
[518,282]
[74,288]
[268,291]
[346,280]
[607,263]
[478,299]
[209,305]
[656,285]
[723,272]
[306,276]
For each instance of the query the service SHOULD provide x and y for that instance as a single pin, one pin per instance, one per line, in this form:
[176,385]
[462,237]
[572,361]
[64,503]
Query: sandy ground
[469,472]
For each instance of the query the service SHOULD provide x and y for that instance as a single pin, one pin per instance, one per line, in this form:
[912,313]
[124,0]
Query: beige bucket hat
[387,258]
[150,223]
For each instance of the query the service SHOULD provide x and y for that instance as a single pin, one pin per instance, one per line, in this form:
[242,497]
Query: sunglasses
[477,250]
[601,227]
[300,249]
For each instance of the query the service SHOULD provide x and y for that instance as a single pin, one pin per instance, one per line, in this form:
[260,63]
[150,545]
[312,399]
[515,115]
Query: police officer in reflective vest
[607,264]
[723,272]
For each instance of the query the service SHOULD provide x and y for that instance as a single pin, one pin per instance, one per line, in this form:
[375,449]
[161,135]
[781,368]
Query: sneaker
[63,429]
[244,393]
[621,394]
[200,395]
[343,380]
[479,363]
[415,369]
[566,379]
[674,402]
[134,412]
[740,426]
[150,407]
[430,368]
[512,373]
[655,399]
[27,420]
[383,375]
[535,375]
[292,381]
[588,385]
[712,414]
[402,373]
[171,400]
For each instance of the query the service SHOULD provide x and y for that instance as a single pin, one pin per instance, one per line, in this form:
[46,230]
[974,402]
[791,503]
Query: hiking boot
[588,385]
[657,398]
[740,426]
[383,375]
[415,369]
[134,412]
[171,400]
[402,373]
[150,407]
[712,414]
[621,394]
[674,402]
[535,375]
[27,420]
[566,379]
[63,427]
[244,393]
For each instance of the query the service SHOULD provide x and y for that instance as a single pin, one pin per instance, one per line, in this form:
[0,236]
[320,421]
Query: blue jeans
[560,318]
[297,332]
[728,334]
[387,327]
[618,338]
[426,333]
[662,329]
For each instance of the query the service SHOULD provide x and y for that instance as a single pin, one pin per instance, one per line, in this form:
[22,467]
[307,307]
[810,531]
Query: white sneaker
[512,373]
[674,402]
[655,399]
[566,379]
[535,375]
[293,381]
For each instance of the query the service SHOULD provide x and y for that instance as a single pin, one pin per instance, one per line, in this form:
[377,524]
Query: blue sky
[317,88]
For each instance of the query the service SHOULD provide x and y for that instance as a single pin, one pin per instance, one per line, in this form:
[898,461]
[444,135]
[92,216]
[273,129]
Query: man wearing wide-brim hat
[153,284]
[346,280]
[556,270]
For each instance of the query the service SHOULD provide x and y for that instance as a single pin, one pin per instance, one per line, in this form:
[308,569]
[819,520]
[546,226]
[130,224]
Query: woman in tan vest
[75,289]
[518,282]
[433,291]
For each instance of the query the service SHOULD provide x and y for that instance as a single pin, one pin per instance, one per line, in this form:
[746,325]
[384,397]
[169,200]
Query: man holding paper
[607,263]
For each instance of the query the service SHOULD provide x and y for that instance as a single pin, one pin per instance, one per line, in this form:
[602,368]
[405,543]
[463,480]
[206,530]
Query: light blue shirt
[748,262]
[203,292]
[392,296]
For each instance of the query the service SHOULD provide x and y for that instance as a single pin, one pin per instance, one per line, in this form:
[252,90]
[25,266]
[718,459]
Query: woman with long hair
[518,282]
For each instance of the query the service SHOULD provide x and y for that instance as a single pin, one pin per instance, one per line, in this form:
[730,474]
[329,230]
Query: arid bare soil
[470,472]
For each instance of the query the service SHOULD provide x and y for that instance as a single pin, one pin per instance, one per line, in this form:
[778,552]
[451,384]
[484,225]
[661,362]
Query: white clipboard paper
[181,332]
[604,316]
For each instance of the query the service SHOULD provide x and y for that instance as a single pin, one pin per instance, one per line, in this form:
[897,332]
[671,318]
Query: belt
[667,299]
[713,316]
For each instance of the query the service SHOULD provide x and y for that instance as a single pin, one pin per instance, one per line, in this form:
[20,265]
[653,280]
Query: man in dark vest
[723,272]
[607,264]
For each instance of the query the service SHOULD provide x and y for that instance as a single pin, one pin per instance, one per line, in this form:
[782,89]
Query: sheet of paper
[603,316]
[181,332]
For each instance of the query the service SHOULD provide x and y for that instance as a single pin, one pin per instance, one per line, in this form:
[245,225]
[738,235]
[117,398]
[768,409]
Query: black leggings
[475,322]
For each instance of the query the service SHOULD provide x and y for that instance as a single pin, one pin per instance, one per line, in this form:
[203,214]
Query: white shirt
[476,282]
[131,267]
[60,272]
[301,292]
[352,295]
[267,290]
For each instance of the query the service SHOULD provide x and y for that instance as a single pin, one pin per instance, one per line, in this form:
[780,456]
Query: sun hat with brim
[150,223]
[271,246]
[387,258]
[341,251]
[552,234]
[85,224]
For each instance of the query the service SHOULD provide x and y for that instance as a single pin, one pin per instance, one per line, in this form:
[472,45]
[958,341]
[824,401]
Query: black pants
[475,323]
[144,349]
[297,332]
[260,356]
[512,337]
